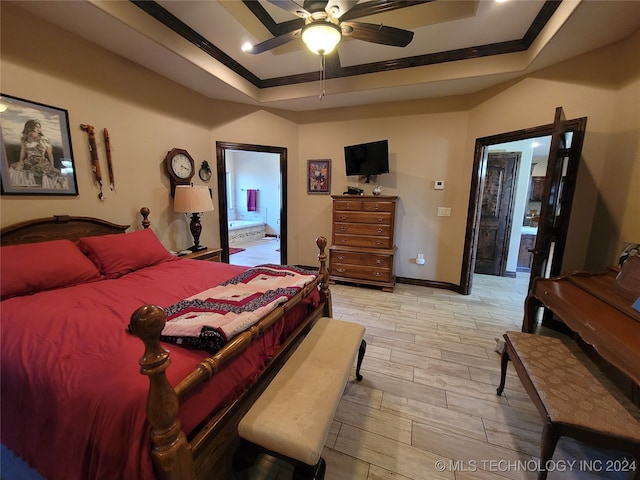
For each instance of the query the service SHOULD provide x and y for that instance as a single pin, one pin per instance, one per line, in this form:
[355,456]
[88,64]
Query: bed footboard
[171,453]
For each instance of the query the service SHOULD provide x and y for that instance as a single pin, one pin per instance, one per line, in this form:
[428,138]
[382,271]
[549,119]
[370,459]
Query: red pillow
[35,267]
[122,253]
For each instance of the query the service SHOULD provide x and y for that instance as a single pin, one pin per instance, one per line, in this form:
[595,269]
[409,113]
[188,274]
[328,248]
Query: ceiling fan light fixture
[321,37]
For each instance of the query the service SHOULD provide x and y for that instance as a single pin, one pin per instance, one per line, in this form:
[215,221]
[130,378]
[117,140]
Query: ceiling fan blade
[373,33]
[332,64]
[274,42]
[374,7]
[291,6]
[337,8]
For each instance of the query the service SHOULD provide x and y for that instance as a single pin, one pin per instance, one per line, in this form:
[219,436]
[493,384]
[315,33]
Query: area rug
[233,250]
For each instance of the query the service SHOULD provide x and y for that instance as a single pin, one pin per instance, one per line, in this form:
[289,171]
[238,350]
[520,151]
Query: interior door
[557,197]
[496,212]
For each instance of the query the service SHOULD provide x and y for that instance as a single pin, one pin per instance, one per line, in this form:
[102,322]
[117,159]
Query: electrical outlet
[438,185]
[444,211]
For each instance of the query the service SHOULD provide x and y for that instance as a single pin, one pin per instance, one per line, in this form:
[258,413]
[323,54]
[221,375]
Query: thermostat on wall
[439,185]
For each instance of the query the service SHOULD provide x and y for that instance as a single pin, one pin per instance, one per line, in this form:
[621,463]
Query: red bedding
[73,400]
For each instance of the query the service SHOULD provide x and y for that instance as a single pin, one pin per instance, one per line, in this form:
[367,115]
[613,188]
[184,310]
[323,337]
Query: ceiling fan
[322,24]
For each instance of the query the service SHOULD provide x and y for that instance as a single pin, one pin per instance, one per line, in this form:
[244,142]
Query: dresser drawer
[380,218]
[378,206]
[360,272]
[347,205]
[362,241]
[362,229]
[365,259]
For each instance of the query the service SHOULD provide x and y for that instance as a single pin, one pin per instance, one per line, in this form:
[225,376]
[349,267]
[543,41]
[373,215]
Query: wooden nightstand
[210,255]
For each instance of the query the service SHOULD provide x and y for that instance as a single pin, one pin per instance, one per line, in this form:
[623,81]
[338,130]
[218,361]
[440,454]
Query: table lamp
[193,200]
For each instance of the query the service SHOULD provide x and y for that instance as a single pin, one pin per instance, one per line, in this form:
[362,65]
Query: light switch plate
[444,211]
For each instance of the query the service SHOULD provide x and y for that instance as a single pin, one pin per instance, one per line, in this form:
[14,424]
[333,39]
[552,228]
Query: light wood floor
[256,252]
[427,407]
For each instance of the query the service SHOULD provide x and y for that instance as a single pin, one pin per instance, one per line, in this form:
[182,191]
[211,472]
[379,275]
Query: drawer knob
[377,207]
[380,219]
[378,261]
[379,230]
[343,240]
[341,270]
[344,217]
[341,257]
[377,274]
[378,242]
[344,229]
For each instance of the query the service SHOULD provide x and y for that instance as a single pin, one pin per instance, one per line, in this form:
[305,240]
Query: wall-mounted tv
[367,158]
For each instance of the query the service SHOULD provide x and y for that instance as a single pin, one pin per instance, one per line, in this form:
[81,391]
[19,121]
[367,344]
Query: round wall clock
[180,166]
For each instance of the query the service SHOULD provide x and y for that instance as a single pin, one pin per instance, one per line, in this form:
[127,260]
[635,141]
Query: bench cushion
[293,415]
[570,393]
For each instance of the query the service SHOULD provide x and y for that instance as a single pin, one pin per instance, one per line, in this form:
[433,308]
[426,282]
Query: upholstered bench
[570,398]
[292,417]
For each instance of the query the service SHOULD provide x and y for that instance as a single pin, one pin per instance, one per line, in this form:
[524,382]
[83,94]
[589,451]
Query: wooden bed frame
[208,452]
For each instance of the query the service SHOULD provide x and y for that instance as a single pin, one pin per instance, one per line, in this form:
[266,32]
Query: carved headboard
[56,228]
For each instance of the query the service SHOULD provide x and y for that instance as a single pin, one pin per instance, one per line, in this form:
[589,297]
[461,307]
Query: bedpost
[171,453]
[321,242]
[144,211]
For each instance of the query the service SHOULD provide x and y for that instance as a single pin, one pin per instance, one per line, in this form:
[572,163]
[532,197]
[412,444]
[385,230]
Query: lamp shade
[321,37]
[192,199]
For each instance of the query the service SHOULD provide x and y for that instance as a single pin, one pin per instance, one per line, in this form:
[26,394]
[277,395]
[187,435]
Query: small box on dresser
[363,240]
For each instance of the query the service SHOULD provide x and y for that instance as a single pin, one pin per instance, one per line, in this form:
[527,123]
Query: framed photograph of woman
[318,176]
[35,149]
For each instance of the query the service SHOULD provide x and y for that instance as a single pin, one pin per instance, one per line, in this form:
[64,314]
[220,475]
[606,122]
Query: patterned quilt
[209,319]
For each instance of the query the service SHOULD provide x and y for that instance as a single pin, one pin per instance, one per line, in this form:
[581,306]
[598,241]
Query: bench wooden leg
[503,370]
[306,472]
[548,444]
[361,351]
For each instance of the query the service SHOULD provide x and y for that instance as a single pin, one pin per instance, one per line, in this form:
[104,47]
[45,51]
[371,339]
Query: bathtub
[238,224]
[245,230]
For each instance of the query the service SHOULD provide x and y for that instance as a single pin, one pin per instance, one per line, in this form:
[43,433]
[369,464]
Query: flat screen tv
[367,158]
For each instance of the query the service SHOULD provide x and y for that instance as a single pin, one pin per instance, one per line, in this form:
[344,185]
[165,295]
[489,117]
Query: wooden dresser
[363,247]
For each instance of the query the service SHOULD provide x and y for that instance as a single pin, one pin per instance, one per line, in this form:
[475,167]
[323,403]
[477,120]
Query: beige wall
[436,140]
[619,198]
[422,149]
[148,115]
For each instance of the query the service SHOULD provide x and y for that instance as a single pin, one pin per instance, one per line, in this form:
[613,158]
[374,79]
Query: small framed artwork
[318,176]
[35,149]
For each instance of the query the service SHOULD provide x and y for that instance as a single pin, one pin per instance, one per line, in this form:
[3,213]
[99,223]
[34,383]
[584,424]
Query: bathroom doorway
[252,202]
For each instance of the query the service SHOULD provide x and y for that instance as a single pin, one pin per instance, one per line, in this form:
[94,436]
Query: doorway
[268,205]
[557,191]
